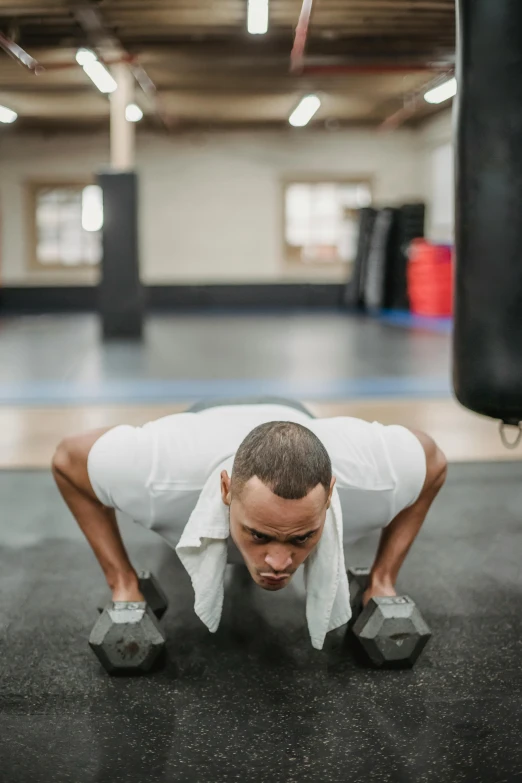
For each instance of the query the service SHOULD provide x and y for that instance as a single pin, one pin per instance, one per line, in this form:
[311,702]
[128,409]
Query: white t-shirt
[155,473]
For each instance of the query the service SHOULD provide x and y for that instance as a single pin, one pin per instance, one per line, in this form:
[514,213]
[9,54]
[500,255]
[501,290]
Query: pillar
[121,296]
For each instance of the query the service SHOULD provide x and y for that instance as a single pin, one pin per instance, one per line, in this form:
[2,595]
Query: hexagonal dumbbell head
[152,592]
[127,637]
[358,581]
[392,631]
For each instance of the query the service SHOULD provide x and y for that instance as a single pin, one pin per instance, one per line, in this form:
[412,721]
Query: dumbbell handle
[123,605]
[119,605]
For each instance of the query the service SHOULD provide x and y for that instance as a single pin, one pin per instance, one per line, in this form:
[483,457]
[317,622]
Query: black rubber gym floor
[255,702]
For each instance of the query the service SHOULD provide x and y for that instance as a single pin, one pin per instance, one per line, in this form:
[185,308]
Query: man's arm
[97,522]
[397,538]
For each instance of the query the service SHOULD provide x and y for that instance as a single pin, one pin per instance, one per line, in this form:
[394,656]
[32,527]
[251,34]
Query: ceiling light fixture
[133,113]
[305,111]
[257,21]
[7,116]
[442,93]
[94,69]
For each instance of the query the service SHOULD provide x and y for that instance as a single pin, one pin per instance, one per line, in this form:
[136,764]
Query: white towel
[203,551]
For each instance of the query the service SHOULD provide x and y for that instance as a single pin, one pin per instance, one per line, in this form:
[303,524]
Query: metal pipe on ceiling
[301,34]
[19,54]
[128,59]
[412,101]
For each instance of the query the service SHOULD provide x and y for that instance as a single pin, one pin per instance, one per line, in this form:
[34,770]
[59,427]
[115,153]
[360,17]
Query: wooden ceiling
[367,59]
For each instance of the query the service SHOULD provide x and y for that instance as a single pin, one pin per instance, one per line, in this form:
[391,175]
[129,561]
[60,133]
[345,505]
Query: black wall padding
[354,295]
[409,225]
[379,252]
[487,343]
[121,301]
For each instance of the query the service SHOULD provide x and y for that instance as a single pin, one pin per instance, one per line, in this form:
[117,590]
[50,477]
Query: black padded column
[487,347]
[120,291]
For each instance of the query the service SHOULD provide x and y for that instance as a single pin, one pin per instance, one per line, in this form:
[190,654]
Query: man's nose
[279,559]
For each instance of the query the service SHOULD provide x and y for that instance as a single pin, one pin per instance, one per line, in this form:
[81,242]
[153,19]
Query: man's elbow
[436,461]
[62,460]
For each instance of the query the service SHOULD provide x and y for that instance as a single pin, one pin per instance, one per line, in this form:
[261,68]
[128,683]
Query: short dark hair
[287,457]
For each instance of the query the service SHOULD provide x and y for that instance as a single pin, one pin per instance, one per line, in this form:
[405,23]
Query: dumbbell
[127,637]
[390,629]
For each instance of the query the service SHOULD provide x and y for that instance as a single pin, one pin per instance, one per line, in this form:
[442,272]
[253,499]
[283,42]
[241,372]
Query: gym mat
[255,701]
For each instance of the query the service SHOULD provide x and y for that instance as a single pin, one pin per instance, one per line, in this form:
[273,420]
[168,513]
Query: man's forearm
[100,528]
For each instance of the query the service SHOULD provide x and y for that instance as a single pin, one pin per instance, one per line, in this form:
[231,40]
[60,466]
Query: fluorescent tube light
[7,115]
[97,72]
[257,22]
[442,93]
[133,113]
[305,111]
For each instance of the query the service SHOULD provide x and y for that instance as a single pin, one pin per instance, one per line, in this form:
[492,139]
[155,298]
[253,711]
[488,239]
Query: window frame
[316,179]
[32,187]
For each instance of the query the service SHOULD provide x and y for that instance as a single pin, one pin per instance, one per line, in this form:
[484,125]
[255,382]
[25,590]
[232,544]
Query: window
[321,220]
[66,220]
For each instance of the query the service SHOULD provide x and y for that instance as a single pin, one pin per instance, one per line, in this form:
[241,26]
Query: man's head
[278,495]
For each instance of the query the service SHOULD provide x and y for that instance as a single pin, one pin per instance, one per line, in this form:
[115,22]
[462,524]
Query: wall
[23,159]
[211,203]
[436,151]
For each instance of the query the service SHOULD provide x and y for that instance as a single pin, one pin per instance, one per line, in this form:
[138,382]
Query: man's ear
[330,493]
[226,484]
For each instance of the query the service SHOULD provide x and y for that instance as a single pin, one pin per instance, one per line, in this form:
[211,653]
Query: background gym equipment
[354,292]
[390,630]
[487,366]
[151,590]
[379,252]
[127,637]
[378,280]
[410,225]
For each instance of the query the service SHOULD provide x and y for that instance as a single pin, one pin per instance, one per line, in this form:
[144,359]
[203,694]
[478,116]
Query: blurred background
[203,199]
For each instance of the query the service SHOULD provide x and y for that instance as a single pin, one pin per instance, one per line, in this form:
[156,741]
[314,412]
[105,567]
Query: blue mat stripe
[150,390]
[407,320]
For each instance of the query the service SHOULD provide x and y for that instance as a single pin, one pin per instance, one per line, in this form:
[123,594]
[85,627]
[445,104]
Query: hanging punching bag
[487,342]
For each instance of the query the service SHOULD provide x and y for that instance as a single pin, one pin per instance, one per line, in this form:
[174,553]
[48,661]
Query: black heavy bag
[354,292]
[409,226]
[381,244]
[487,343]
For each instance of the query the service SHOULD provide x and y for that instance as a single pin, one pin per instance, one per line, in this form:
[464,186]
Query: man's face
[274,536]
